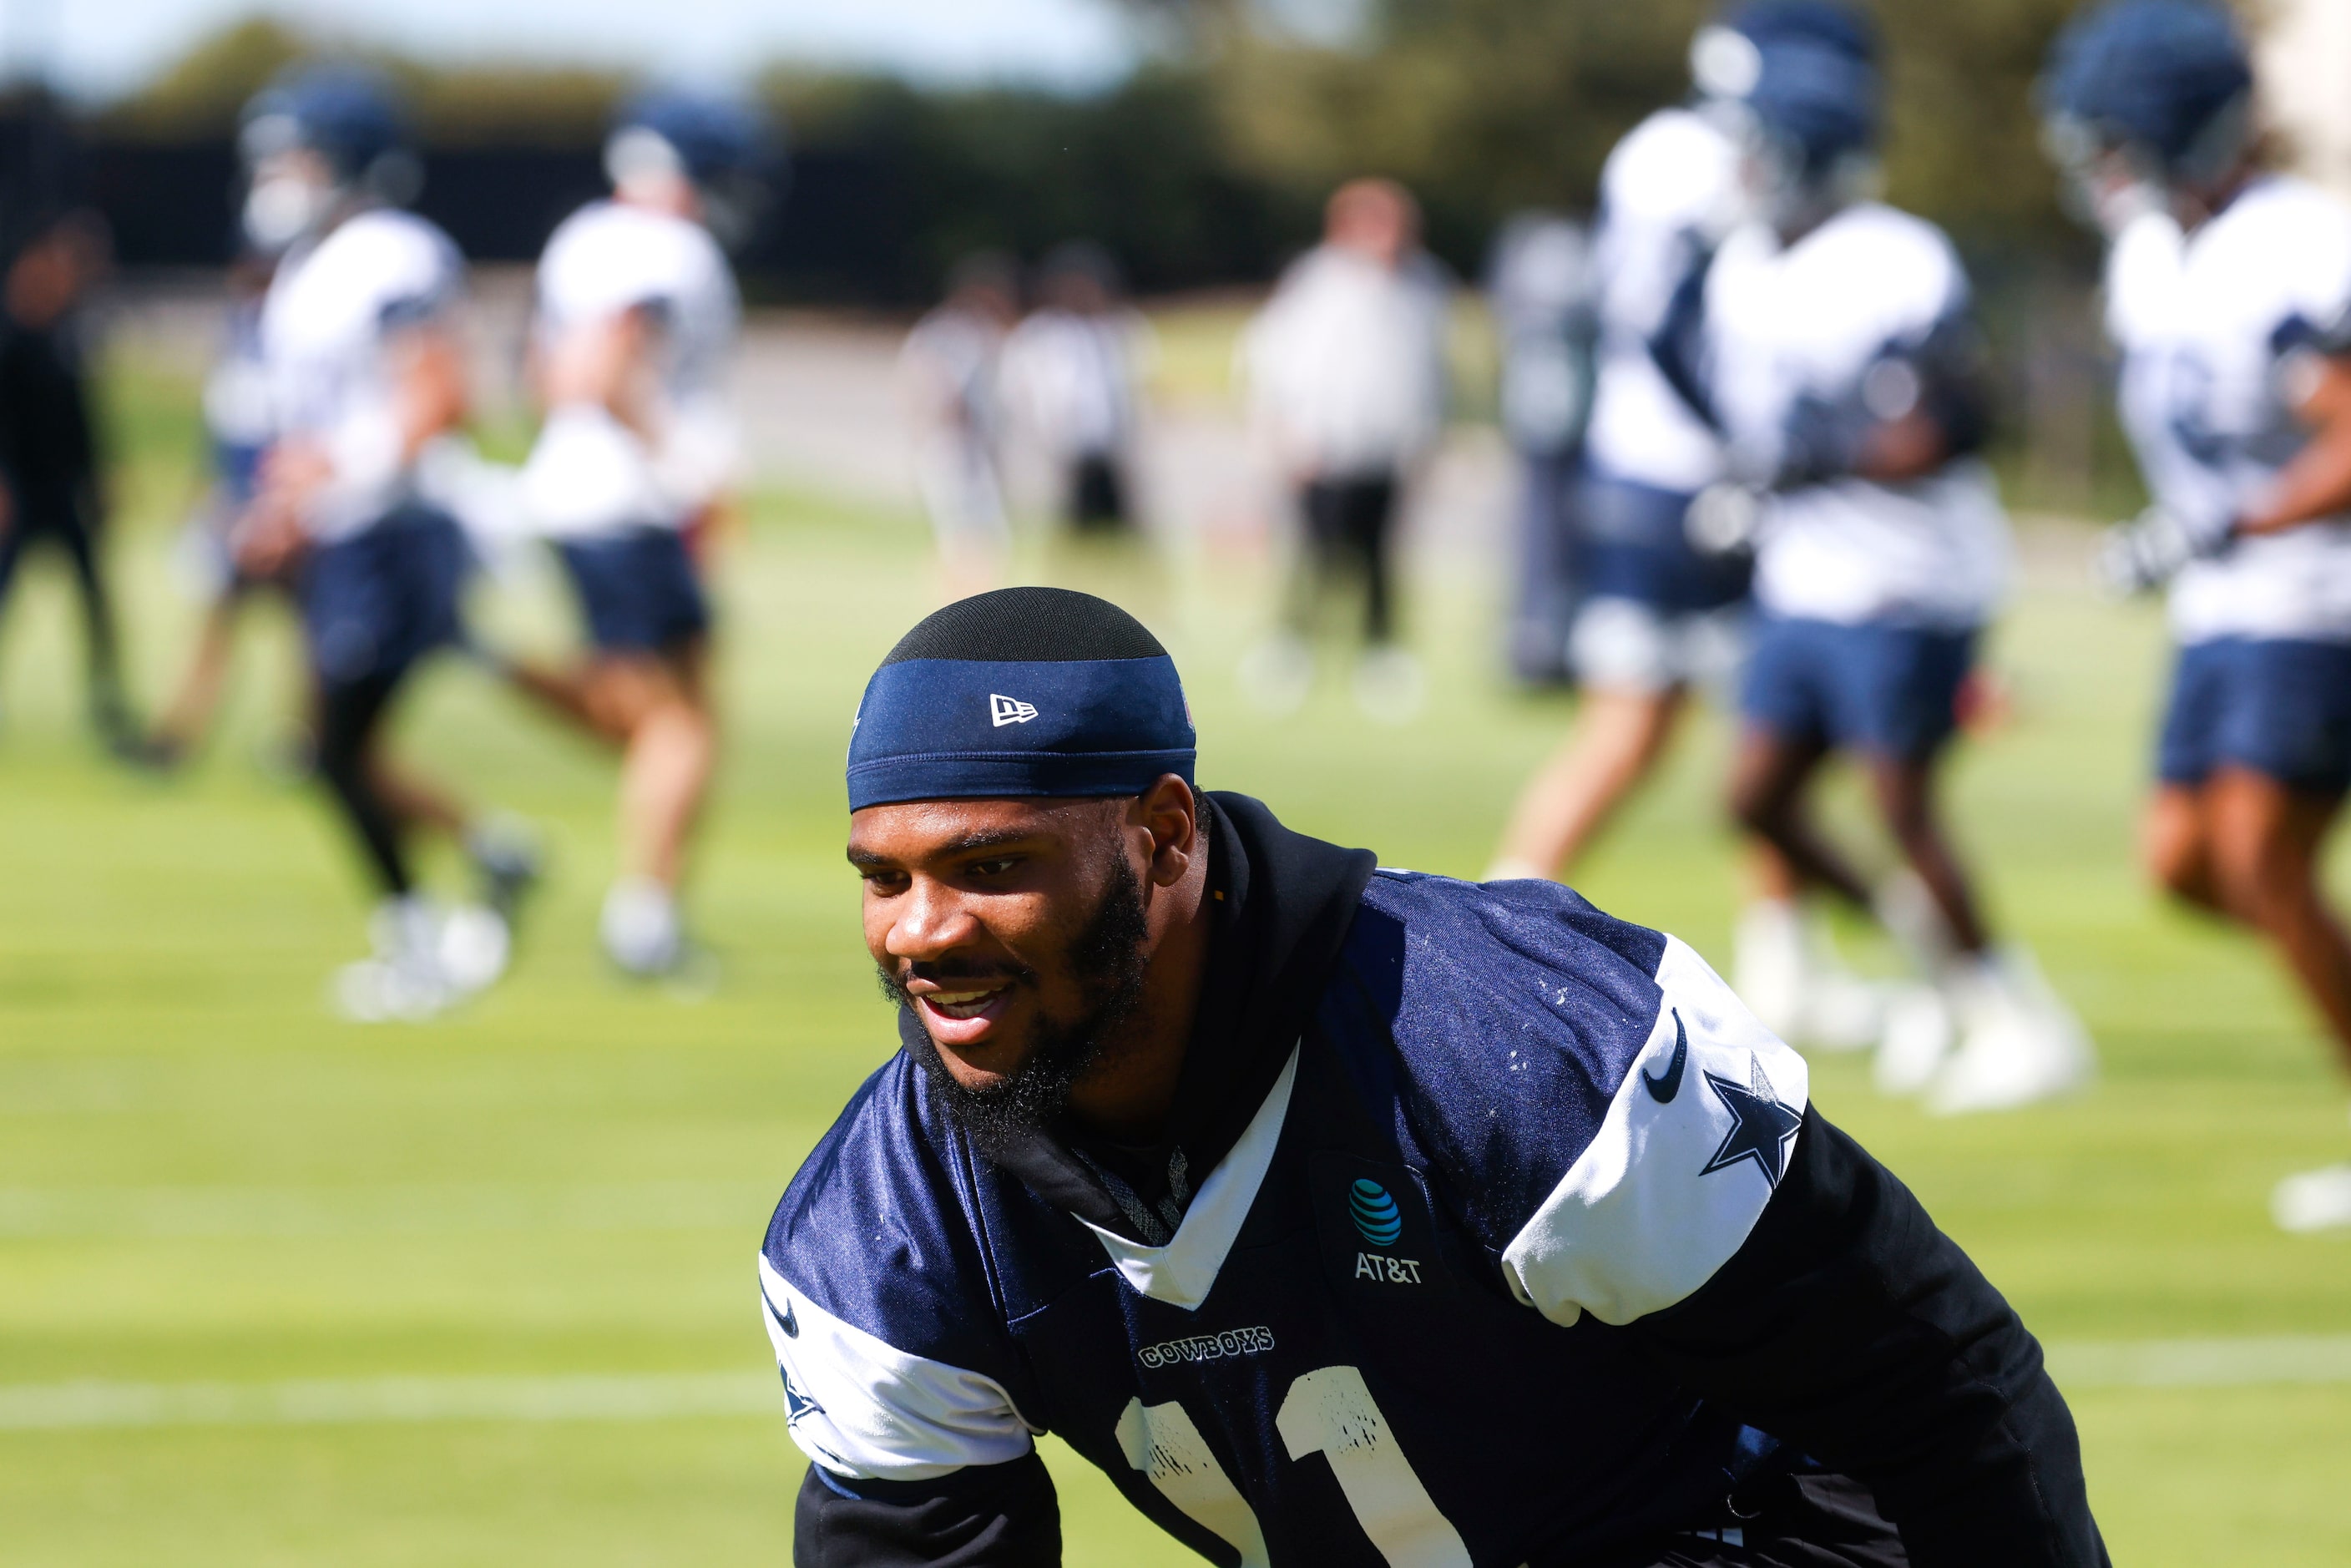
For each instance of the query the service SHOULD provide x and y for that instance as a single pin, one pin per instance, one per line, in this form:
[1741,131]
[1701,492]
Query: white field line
[170,1212]
[57,1407]
[60,1407]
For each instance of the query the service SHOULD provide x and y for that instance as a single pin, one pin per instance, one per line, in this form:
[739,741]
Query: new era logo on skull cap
[1006,710]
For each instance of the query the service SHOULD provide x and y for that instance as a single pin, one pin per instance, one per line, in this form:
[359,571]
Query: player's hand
[2142,555]
[267,539]
[1724,518]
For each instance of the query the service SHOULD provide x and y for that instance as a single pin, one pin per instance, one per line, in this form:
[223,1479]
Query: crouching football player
[1341,1215]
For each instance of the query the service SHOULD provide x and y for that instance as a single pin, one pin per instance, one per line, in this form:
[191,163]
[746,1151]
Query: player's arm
[2317,484]
[1786,1277]
[1919,403]
[602,363]
[915,1462]
[1852,1328]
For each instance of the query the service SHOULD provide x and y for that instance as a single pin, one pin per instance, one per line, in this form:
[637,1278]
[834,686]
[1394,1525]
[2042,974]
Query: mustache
[947,972]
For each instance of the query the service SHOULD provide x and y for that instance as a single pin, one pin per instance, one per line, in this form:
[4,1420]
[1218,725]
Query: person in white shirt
[635,462]
[2229,294]
[1346,376]
[1837,352]
[1659,618]
[366,376]
[949,375]
[1073,376]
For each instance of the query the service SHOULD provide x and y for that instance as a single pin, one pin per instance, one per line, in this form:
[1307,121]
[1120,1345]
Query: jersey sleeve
[863,1408]
[875,1298]
[1691,1147]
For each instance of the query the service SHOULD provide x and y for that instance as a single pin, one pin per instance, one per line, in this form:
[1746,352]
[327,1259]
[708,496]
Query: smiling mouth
[963,1004]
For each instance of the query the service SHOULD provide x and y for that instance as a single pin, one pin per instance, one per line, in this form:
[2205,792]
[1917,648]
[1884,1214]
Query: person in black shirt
[49,458]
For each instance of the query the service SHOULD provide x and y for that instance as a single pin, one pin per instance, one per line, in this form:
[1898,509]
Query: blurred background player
[949,371]
[366,373]
[238,429]
[1072,375]
[1837,350]
[1345,371]
[637,322]
[2229,293]
[1541,283]
[49,458]
[1658,615]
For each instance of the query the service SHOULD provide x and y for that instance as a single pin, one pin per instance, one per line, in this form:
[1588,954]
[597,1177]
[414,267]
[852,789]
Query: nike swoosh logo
[1663,1089]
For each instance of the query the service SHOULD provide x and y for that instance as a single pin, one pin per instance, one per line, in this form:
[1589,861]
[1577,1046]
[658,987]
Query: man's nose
[930,923]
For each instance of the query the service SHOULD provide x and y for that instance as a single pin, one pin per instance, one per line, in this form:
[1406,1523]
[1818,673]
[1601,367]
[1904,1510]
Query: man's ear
[1170,812]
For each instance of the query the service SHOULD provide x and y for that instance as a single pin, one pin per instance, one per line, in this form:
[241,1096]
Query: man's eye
[996,867]
[885,882]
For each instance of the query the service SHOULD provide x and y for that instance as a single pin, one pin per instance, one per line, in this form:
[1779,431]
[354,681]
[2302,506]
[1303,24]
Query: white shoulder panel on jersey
[2143,277]
[1674,167]
[608,257]
[1182,1272]
[868,1411]
[1690,1153]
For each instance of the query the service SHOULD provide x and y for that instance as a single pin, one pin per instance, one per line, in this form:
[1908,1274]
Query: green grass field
[277,1289]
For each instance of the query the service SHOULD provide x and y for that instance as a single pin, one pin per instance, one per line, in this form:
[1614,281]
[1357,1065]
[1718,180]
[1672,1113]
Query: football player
[1339,1216]
[1661,617]
[366,373]
[635,333]
[948,373]
[1834,342]
[2227,292]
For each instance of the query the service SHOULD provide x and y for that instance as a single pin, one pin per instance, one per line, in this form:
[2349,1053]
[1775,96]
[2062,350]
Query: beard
[1107,960]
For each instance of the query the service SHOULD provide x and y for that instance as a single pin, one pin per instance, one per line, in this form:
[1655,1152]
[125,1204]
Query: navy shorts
[2280,708]
[639,590]
[377,601]
[1635,546]
[1888,691]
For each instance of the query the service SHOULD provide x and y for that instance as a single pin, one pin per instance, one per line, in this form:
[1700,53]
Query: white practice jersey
[1345,365]
[591,474]
[1668,192]
[333,313]
[1808,320]
[1071,379]
[2210,326]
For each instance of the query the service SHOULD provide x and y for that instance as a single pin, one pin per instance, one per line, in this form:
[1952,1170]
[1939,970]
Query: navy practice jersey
[1388,1329]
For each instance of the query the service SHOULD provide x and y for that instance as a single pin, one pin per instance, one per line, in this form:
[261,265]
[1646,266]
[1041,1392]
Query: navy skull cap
[1021,691]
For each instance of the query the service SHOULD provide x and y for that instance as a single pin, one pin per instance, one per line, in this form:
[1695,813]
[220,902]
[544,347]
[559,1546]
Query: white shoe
[1788,971]
[1916,1037]
[1389,686]
[2314,1200]
[475,945]
[642,931]
[1278,674]
[1766,963]
[2019,1043]
[404,982]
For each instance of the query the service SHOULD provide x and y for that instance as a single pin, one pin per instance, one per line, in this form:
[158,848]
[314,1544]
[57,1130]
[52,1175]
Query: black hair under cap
[1021,691]
[1051,625]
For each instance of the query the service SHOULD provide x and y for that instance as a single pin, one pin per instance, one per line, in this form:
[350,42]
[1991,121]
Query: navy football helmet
[1725,58]
[726,148]
[347,119]
[2163,88]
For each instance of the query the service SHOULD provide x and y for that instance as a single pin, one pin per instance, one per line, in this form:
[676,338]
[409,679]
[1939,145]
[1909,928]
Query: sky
[99,48]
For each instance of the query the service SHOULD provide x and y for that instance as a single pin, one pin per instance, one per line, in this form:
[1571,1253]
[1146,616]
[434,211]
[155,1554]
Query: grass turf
[204,1177]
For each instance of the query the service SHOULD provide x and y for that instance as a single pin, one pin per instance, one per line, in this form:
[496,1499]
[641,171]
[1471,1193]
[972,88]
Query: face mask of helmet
[283,206]
[1793,190]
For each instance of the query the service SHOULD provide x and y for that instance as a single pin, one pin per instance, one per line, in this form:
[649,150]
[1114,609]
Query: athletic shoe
[642,931]
[1278,674]
[2018,1042]
[1917,1039]
[1786,968]
[2314,1200]
[506,863]
[1389,686]
[404,981]
[473,949]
